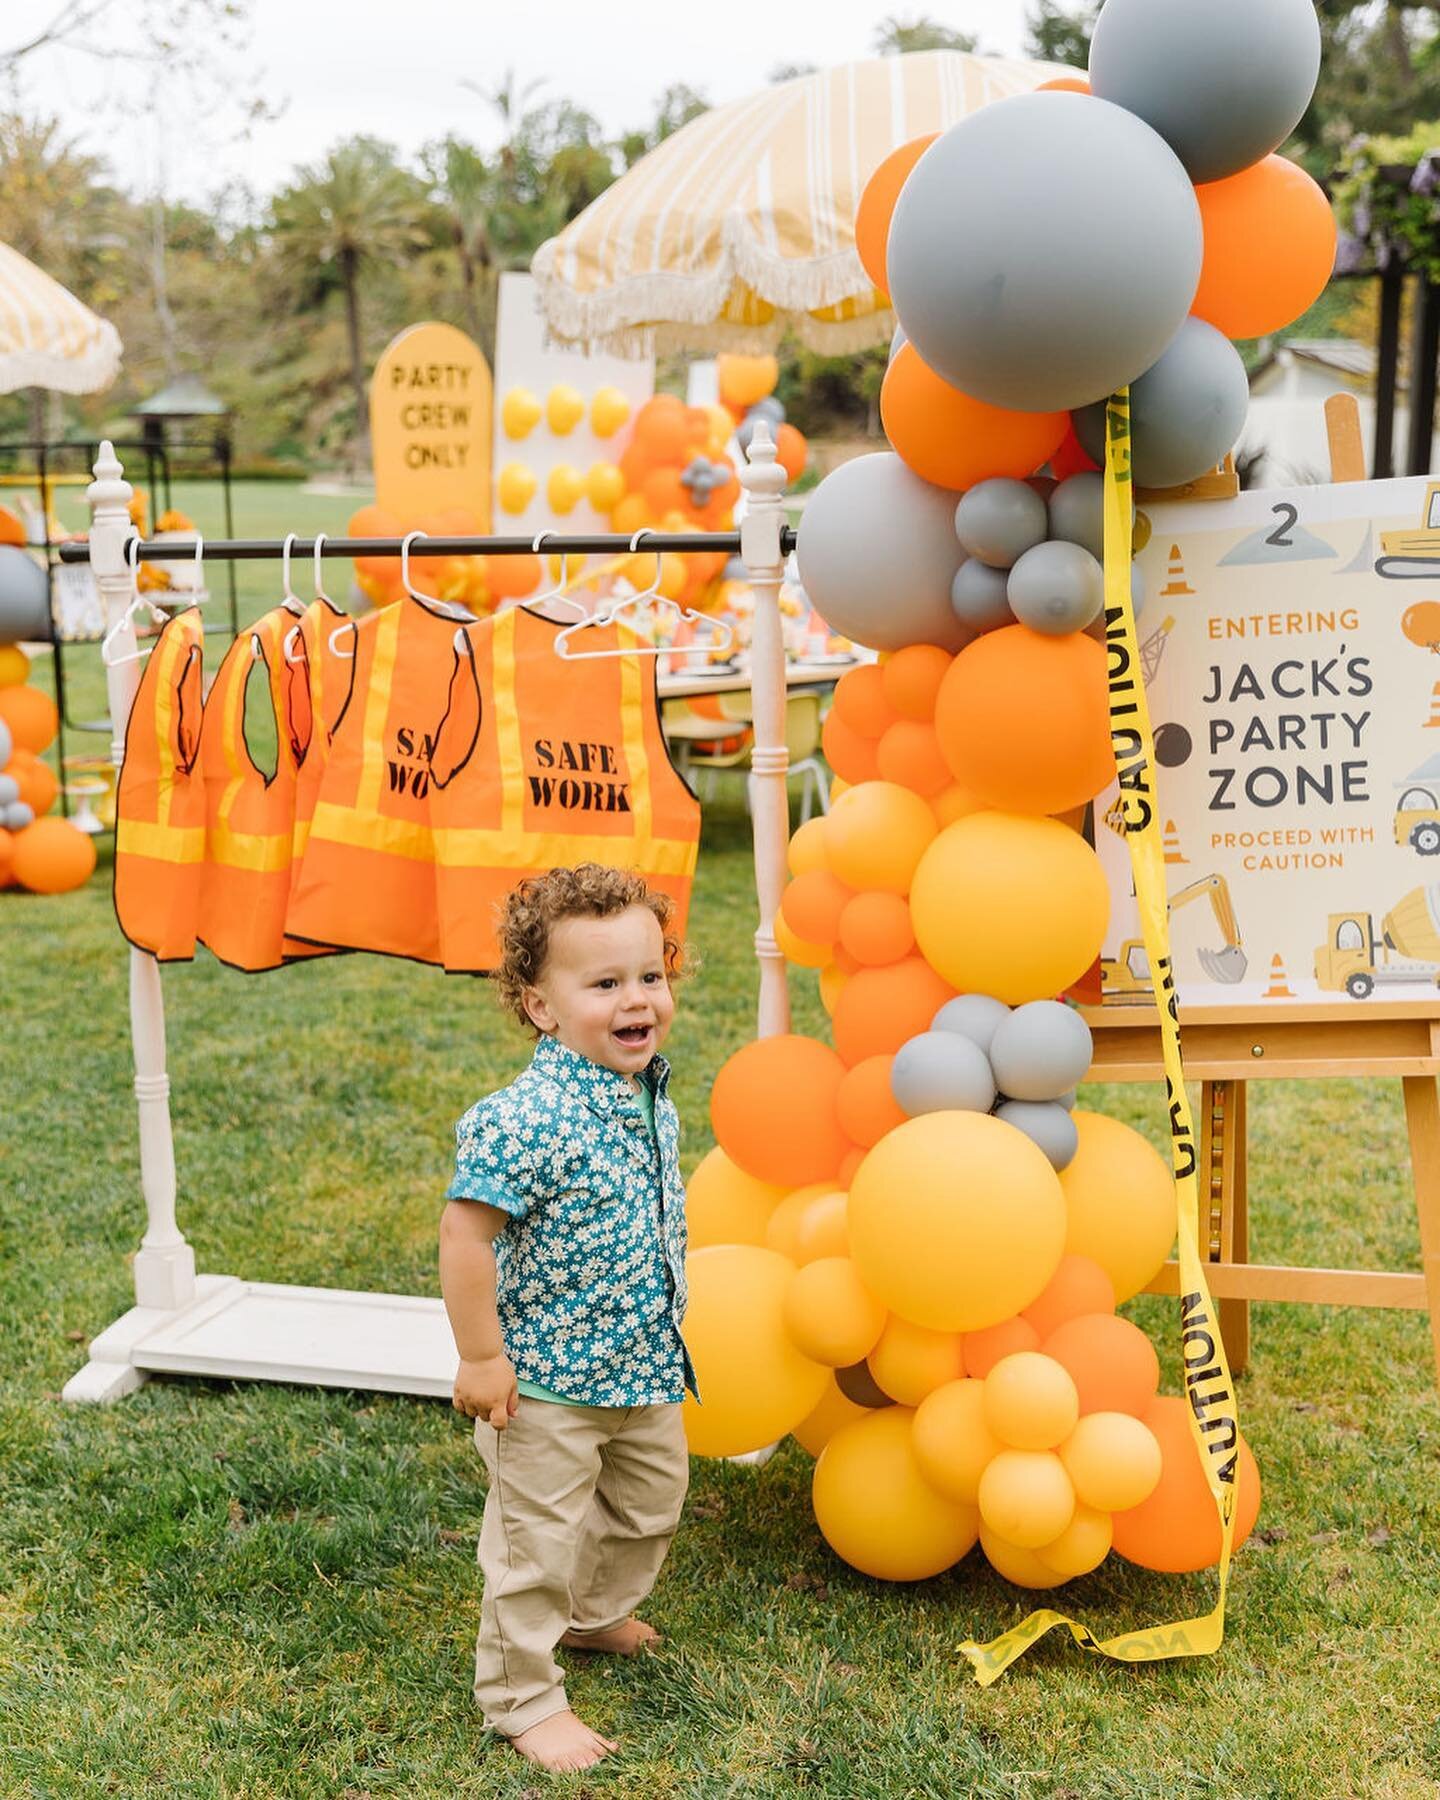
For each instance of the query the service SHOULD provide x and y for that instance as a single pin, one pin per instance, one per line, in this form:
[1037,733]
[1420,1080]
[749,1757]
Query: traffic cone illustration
[1279,988]
[1177,584]
[1171,841]
[1434,719]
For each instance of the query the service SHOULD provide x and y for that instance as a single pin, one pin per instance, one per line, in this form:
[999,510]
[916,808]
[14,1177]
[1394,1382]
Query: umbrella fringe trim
[85,373]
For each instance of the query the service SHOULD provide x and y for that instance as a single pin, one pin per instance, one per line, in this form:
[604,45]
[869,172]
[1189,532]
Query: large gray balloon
[999,520]
[979,597]
[1044,251]
[975,1016]
[877,553]
[941,1071]
[1045,1123]
[24,597]
[1224,82]
[1056,588]
[1077,512]
[1042,1049]
[1185,413]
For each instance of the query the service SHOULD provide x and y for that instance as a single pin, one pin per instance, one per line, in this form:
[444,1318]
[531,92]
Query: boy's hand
[486,1389]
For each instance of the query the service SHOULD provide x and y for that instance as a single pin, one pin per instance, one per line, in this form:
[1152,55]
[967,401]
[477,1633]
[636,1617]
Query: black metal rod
[553,544]
[1392,289]
[1424,350]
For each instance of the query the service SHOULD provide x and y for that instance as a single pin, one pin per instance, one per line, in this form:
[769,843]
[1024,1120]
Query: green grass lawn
[217,1590]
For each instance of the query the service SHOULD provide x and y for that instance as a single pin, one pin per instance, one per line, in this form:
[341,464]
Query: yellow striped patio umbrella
[740,226]
[48,339]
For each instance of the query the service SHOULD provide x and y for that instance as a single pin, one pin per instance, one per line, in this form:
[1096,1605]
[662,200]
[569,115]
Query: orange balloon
[662,430]
[1065,84]
[7,857]
[1024,720]
[954,803]
[52,857]
[849,754]
[877,205]
[746,379]
[791,451]
[983,1349]
[512,577]
[12,530]
[807,844]
[1421,624]
[881,1008]
[1176,1530]
[849,1164]
[876,928]
[1269,248]
[1077,1287]
[664,491]
[911,680]
[865,1105]
[798,950]
[37,781]
[375,521]
[861,703]
[813,906]
[1111,1361]
[876,835]
[30,713]
[773,1110]
[955,440]
[910,754]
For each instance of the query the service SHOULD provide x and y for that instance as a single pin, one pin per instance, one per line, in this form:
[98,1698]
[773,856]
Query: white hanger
[452,608]
[558,592]
[714,639]
[290,600]
[107,643]
[292,636]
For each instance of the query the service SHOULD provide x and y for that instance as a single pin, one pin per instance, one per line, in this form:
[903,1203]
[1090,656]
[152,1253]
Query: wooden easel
[1227,1047]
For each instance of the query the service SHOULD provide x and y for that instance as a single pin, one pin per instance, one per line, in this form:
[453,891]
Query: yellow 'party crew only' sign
[430,428]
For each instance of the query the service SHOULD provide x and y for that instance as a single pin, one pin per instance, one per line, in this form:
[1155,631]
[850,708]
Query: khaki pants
[583,1503]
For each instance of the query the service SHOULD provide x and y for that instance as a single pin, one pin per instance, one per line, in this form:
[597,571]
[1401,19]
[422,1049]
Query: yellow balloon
[831,1314]
[956,1220]
[515,488]
[722,425]
[1113,1459]
[909,1362]
[1026,1497]
[564,486]
[609,409]
[604,486]
[953,1443]
[1030,1401]
[1120,1197]
[1082,1546]
[823,1230]
[878,1512]
[832,984]
[806,851]
[876,835]
[782,1234]
[724,1205]
[1009,905]
[630,514]
[816,1429]
[520,413]
[673,576]
[757,1386]
[564,409]
[15,672]
[797,950]
[1023,1567]
[954,803]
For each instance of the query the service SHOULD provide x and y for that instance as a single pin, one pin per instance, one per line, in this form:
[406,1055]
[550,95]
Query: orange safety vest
[160,798]
[571,766]
[249,816]
[319,675]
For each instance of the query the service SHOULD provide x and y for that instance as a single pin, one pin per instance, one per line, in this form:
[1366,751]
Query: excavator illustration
[1125,980]
[1413,552]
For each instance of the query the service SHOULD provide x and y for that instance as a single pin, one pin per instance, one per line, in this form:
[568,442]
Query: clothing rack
[225,1325]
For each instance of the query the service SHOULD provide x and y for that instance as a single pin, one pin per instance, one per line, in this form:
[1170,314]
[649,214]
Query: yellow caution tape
[1214,1416]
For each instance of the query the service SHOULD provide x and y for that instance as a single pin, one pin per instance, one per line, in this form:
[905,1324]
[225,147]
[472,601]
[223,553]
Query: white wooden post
[764,481]
[165,1262]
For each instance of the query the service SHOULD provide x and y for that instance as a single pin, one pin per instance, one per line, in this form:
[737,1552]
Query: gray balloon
[1224,82]
[1056,588]
[1068,1099]
[1077,512]
[9,789]
[975,1016]
[17,815]
[979,598]
[7,744]
[941,1071]
[1001,519]
[1185,413]
[1097,626]
[769,408]
[1042,1049]
[898,341]
[1045,1123]
[24,597]
[1014,271]
[877,553]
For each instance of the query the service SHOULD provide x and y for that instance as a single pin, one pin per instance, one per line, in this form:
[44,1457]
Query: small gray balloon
[1137,589]
[877,552]
[17,815]
[978,596]
[1042,1049]
[1185,413]
[1068,1099]
[1077,512]
[898,341]
[999,520]
[1016,275]
[744,432]
[941,1071]
[1045,1123]
[735,570]
[24,597]
[9,789]
[1056,588]
[975,1016]
[769,408]
[7,744]
[1224,82]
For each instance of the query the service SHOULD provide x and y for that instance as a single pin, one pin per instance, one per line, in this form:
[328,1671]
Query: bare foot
[563,1742]
[628,1638]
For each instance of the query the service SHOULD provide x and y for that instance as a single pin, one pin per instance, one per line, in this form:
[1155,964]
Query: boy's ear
[538,1011]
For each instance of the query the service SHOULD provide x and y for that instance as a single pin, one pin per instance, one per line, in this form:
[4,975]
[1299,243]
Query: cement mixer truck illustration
[1406,950]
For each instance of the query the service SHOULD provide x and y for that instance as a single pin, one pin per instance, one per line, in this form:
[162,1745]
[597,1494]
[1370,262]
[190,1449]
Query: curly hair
[533,909]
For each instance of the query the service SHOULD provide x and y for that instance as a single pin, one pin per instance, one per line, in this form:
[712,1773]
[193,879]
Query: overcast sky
[394,69]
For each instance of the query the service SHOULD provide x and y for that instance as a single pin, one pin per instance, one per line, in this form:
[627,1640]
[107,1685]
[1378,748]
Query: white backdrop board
[1291,641]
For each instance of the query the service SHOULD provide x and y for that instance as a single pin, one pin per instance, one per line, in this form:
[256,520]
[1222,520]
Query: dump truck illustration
[1414,551]
[1406,949]
[1125,980]
[1417,815]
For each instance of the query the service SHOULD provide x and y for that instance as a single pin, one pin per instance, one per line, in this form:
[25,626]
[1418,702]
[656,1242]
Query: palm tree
[355,211]
[898,37]
[464,184]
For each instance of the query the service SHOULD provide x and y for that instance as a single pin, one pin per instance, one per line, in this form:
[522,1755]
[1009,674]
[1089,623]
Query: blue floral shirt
[590,1270]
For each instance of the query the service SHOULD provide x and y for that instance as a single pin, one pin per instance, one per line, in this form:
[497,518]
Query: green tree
[464,186]
[1060,34]
[898,37]
[677,106]
[1379,73]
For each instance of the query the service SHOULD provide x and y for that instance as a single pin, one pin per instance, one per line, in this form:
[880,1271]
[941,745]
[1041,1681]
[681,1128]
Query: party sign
[1291,650]
[430,404]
